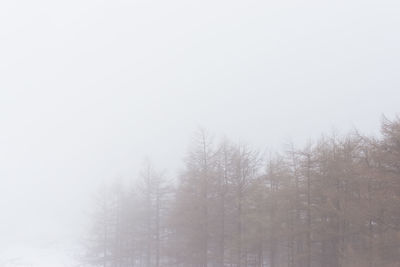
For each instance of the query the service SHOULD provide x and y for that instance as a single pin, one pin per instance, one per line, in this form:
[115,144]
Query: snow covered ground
[25,256]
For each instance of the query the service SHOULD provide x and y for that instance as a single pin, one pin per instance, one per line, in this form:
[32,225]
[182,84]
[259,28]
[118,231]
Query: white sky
[89,88]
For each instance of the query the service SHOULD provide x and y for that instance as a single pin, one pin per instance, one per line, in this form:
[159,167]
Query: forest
[334,202]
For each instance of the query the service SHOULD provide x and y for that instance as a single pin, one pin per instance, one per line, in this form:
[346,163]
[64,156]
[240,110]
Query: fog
[89,89]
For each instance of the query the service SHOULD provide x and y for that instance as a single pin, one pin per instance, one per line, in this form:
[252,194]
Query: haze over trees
[333,203]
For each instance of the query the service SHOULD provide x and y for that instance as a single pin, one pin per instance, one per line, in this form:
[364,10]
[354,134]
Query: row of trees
[333,203]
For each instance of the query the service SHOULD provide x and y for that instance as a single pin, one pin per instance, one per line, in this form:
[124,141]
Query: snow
[25,256]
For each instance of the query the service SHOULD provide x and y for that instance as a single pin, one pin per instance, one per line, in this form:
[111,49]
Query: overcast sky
[88,88]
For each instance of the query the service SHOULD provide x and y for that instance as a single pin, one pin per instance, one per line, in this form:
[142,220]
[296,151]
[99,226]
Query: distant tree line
[333,203]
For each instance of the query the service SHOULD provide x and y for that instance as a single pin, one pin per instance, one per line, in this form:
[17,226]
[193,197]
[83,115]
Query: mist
[90,90]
